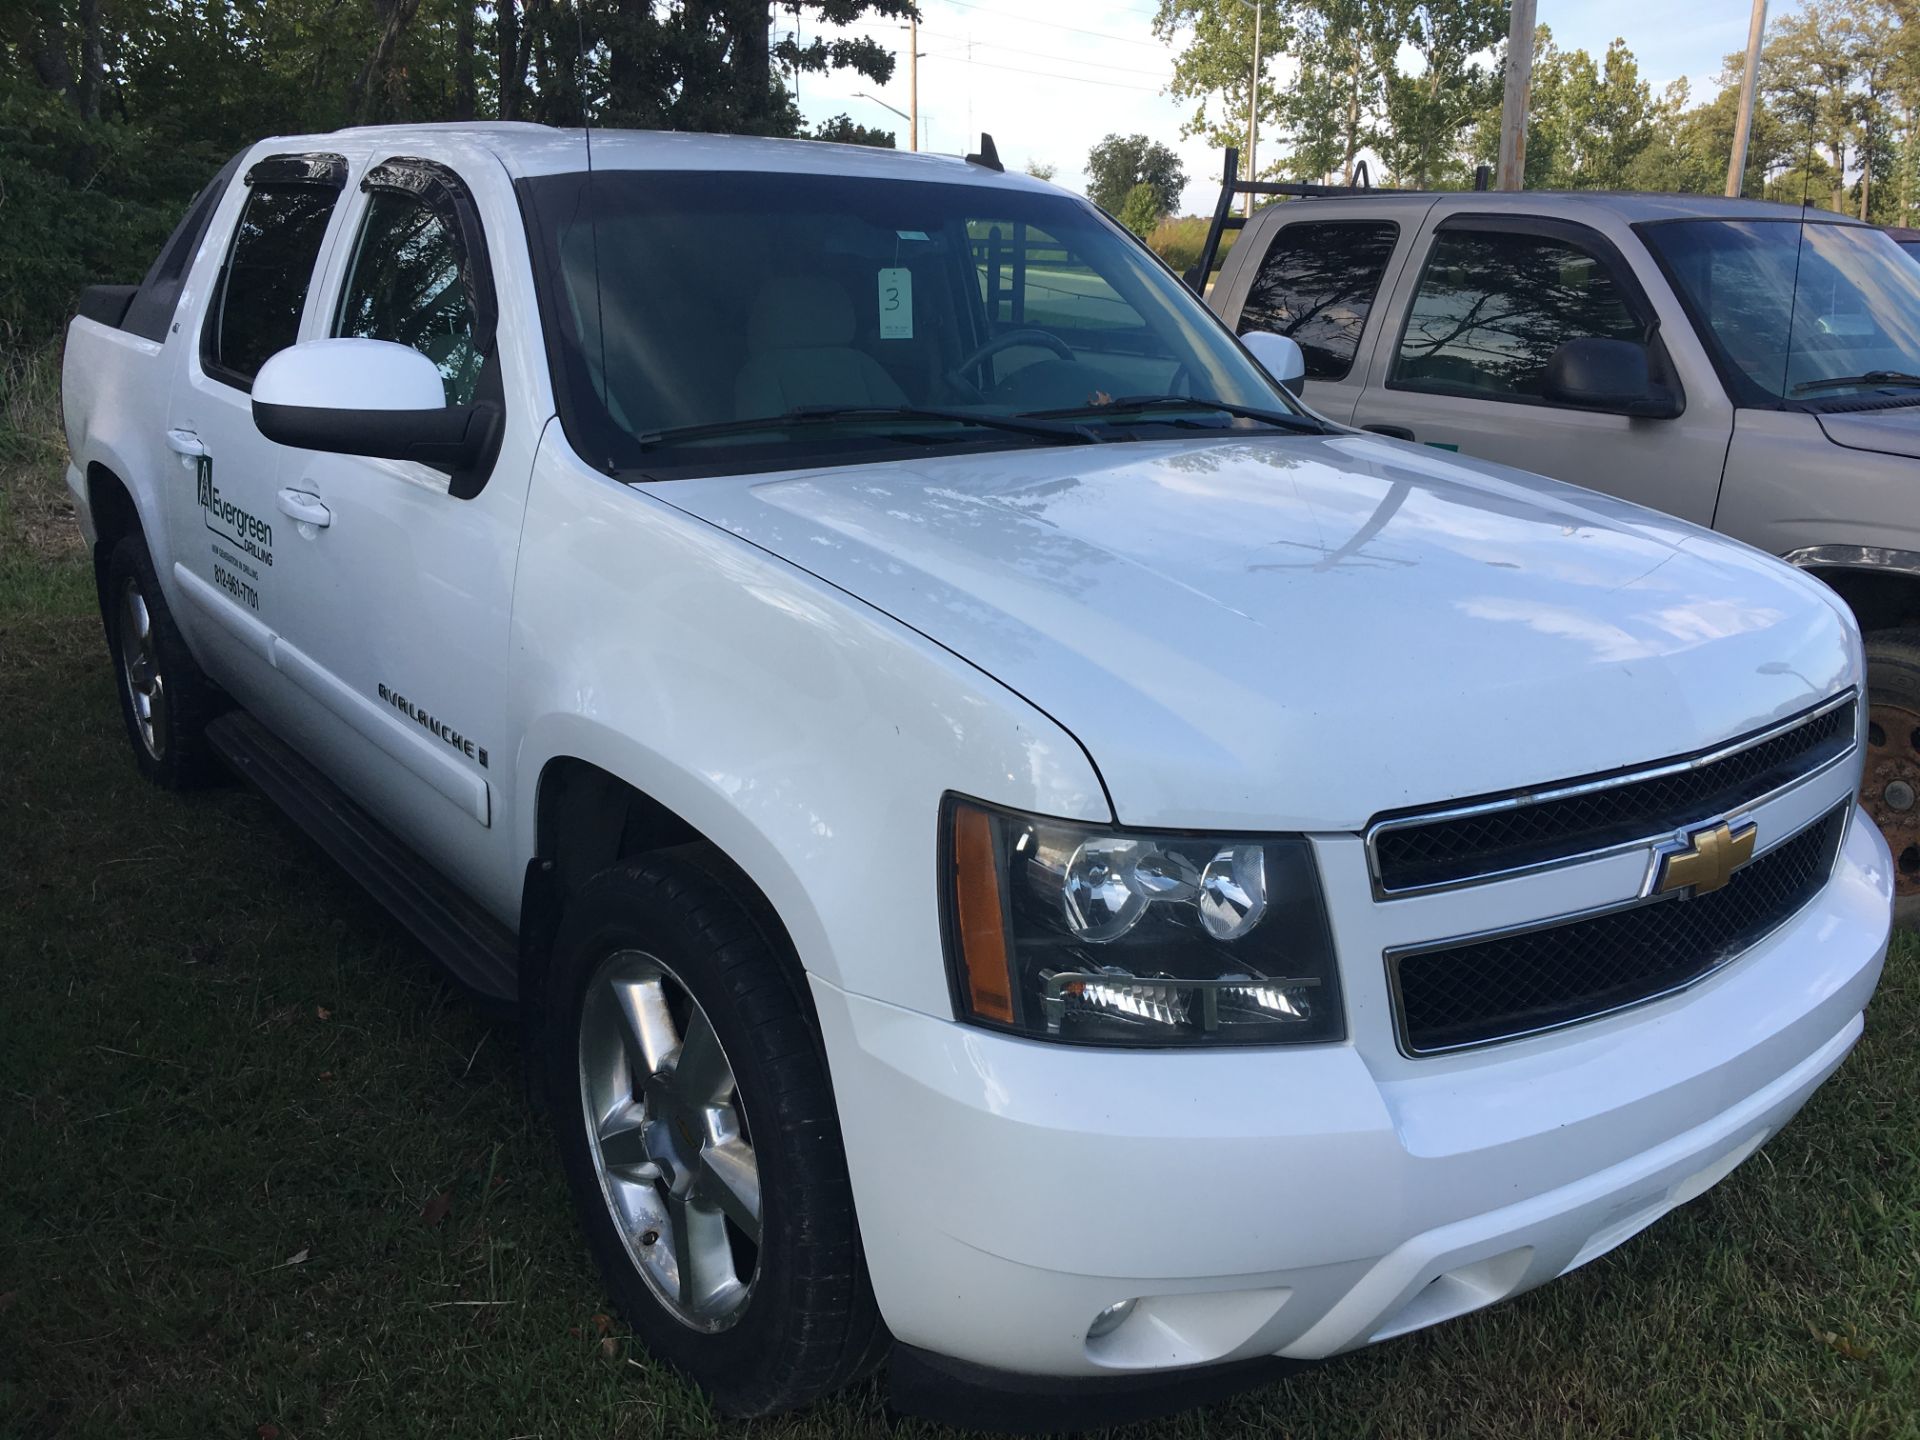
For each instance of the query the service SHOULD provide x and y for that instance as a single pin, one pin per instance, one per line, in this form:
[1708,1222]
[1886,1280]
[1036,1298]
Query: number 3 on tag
[896,303]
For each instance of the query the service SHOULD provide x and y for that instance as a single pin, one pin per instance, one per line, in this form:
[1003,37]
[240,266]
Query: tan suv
[1746,366]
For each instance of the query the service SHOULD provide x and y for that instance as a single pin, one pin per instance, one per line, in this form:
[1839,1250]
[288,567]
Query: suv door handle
[185,442]
[1392,432]
[305,508]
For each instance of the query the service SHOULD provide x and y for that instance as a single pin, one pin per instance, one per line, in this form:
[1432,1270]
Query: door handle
[305,508]
[185,443]
[1392,432]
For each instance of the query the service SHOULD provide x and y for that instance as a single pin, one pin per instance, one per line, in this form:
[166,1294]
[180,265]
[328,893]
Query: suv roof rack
[1232,187]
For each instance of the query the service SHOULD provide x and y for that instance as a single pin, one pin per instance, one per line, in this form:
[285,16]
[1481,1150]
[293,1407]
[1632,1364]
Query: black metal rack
[1232,187]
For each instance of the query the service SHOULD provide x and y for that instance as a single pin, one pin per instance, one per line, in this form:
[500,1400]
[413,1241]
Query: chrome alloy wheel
[140,667]
[670,1140]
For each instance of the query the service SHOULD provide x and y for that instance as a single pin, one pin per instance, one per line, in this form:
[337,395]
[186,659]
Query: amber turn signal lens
[980,917]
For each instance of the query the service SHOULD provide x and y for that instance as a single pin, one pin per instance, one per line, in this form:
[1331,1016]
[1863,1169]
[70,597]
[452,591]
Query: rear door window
[1316,284]
[1493,306]
[263,285]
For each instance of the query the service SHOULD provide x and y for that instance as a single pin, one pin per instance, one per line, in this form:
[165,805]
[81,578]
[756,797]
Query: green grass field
[261,1174]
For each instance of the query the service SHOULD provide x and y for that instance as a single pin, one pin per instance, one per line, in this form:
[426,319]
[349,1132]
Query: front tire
[165,699]
[1890,781]
[696,1124]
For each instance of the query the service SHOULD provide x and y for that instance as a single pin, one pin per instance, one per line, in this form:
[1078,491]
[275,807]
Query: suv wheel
[164,698]
[697,1128]
[1890,782]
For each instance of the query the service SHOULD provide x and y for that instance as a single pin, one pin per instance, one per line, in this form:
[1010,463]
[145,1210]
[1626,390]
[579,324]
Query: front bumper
[1301,1203]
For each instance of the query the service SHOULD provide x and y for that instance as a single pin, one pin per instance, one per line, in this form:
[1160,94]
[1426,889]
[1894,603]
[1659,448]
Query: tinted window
[1812,313]
[682,300]
[264,283]
[1493,306]
[412,283]
[1317,284]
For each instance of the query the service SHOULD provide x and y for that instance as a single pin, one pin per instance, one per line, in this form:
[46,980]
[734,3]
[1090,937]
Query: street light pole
[1737,164]
[1513,104]
[913,83]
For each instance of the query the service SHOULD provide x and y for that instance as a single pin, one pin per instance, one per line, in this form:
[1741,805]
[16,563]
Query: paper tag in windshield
[896,303]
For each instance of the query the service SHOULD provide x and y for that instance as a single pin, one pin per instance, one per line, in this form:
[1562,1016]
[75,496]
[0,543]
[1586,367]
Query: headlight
[1064,931]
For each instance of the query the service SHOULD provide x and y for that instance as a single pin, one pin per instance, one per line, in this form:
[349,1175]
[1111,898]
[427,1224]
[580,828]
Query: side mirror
[1610,375]
[1280,356]
[368,397]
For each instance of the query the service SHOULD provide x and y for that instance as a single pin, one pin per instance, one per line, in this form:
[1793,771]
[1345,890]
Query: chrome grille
[1499,835]
[1466,993]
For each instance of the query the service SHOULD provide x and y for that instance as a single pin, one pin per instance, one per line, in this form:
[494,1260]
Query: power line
[1055,75]
[1032,54]
[1054,24]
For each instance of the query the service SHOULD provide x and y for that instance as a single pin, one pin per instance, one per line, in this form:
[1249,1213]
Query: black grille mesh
[1444,851]
[1517,984]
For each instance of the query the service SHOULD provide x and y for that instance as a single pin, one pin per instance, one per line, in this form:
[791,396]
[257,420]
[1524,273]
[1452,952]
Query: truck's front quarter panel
[806,734]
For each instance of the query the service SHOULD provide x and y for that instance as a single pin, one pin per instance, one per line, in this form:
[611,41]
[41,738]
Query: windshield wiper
[826,414]
[1137,404]
[1870,377]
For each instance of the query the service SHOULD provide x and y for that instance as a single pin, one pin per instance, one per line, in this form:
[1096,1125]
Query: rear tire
[165,699]
[697,1128]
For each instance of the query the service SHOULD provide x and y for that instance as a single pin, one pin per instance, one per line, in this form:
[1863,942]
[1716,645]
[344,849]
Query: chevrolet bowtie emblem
[1705,860]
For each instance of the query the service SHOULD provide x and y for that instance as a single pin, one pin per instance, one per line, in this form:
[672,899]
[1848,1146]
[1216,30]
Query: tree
[1589,124]
[1334,107]
[1141,210]
[1809,72]
[841,130]
[1118,163]
[108,124]
[1040,170]
[1427,112]
[1213,63]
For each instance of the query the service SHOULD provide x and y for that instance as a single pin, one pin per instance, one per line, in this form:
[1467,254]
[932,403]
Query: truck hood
[1300,632]
[1890,432]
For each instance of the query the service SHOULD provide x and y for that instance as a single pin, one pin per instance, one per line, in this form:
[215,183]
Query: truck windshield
[1812,313]
[709,321]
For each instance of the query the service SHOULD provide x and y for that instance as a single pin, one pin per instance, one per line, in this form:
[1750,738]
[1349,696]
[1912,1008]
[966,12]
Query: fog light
[1110,1319]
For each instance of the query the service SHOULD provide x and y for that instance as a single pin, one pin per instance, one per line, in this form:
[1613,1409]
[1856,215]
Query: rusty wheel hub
[1890,787]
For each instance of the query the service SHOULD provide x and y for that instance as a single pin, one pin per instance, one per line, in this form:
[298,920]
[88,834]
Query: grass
[261,1174]
[1179,239]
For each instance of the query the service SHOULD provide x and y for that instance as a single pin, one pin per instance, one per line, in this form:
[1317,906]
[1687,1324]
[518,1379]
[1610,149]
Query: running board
[479,952]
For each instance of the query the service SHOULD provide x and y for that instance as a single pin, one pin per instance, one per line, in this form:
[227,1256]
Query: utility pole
[913,83]
[1513,105]
[1253,104]
[1737,165]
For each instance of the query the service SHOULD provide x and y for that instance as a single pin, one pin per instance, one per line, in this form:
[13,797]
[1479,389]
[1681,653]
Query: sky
[1049,78]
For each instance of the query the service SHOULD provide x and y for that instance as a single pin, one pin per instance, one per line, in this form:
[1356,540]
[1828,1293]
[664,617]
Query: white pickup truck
[1016,844]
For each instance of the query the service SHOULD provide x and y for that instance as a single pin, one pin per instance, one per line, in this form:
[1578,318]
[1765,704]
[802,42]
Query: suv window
[1316,284]
[1493,306]
[412,282]
[263,285]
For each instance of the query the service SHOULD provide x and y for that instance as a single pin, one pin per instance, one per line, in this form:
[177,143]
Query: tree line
[1834,124]
[114,112]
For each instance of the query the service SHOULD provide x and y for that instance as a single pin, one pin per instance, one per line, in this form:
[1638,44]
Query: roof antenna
[988,158]
[593,210]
